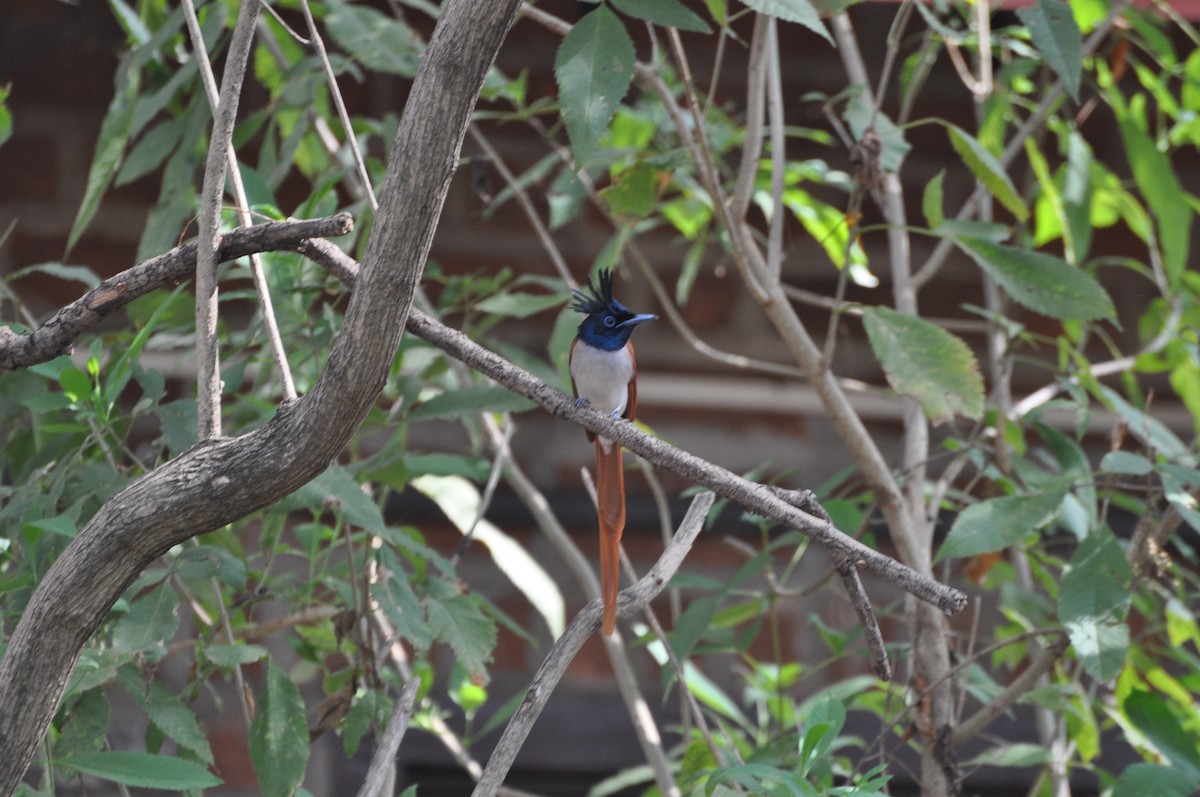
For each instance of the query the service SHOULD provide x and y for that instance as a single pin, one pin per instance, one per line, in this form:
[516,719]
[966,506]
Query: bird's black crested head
[608,323]
[593,299]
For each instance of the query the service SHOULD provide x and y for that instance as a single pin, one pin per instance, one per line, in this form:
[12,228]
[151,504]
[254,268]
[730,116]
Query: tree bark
[224,479]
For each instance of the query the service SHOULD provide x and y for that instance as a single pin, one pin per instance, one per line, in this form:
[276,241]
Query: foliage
[1059,537]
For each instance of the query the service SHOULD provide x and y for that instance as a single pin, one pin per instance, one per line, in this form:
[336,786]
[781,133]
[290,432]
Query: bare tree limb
[629,602]
[221,480]
[58,334]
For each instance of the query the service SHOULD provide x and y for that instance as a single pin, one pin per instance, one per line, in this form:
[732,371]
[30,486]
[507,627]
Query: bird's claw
[582,402]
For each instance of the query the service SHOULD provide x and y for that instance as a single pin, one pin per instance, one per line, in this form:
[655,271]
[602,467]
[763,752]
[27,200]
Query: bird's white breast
[602,377]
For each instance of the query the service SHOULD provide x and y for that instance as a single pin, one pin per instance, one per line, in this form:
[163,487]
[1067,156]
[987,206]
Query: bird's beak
[637,319]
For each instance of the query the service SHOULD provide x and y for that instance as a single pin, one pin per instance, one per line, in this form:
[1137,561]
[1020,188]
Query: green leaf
[1126,463]
[668,13]
[5,117]
[149,625]
[520,305]
[377,41]
[460,501]
[995,524]
[86,726]
[1093,602]
[234,655]
[469,400]
[1162,191]
[1043,283]
[593,67]
[279,736]
[400,603]
[799,11]
[1145,427]
[634,193]
[1012,755]
[1141,780]
[458,621]
[62,271]
[1154,718]
[147,771]
[1057,37]
[151,150]
[932,201]
[925,361]
[167,712]
[987,170]
[338,487]
[110,144]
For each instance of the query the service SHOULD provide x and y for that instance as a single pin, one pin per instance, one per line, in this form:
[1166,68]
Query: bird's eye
[610,321]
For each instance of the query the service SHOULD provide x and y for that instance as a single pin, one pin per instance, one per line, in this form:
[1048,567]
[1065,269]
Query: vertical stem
[208,377]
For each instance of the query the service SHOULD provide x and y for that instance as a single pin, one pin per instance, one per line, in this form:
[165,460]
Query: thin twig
[383,762]
[270,325]
[208,369]
[584,624]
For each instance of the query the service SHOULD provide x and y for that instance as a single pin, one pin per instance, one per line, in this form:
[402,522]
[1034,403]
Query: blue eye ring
[610,321]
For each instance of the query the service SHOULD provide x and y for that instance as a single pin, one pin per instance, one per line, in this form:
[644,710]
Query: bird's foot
[582,402]
[615,415]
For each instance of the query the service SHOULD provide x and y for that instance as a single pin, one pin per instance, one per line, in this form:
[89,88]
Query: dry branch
[59,333]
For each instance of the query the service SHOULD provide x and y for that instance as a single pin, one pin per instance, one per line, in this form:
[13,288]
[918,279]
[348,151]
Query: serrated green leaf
[469,400]
[1141,780]
[86,727]
[995,524]
[377,41]
[925,361]
[668,13]
[149,625]
[1041,282]
[279,742]
[110,144]
[460,501]
[400,603]
[373,708]
[1154,718]
[168,713]
[1056,35]
[458,621]
[932,202]
[1156,180]
[146,771]
[520,305]
[594,66]
[338,487]
[987,170]
[799,11]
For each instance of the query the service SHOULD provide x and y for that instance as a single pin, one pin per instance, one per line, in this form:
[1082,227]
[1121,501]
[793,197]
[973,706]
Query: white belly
[602,377]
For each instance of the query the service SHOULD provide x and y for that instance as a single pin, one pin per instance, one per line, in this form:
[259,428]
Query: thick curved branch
[58,334]
[222,480]
[629,602]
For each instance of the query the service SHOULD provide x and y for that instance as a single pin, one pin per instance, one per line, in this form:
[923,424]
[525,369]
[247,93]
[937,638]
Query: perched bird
[604,376]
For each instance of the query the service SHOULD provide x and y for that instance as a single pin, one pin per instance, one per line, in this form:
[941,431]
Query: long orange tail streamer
[610,495]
